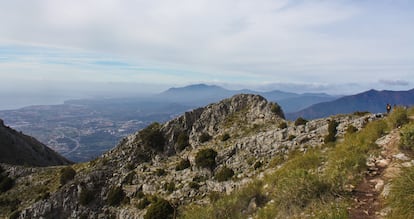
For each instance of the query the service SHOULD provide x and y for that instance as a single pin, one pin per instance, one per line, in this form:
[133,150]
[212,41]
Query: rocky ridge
[255,135]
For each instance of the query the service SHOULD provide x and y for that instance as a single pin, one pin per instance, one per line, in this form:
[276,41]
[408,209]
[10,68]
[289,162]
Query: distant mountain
[201,94]
[19,149]
[373,101]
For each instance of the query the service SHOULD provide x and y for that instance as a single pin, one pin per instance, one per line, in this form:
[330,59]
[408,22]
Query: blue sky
[343,46]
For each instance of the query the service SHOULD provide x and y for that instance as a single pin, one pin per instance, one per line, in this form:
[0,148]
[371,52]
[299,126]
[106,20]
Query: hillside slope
[237,158]
[19,149]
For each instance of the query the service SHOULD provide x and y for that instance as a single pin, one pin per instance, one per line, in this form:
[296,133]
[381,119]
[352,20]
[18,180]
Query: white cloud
[285,41]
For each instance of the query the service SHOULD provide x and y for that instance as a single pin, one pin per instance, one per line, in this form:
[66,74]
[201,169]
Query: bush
[206,158]
[14,215]
[6,183]
[194,185]
[66,175]
[182,141]
[276,109]
[115,196]
[283,125]
[351,129]
[401,197]
[169,187]
[152,137]
[398,117]
[143,203]
[225,137]
[86,196]
[204,137]
[359,113]
[257,165]
[184,164]
[331,137]
[160,209]
[407,137]
[224,174]
[291,137]
[129,178]
[160,172]
[300,121]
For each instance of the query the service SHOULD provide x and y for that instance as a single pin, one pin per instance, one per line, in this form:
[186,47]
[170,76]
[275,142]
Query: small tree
[225,137]
[184,164]
[204,137]
[331,137]
[115,196]
[300,121]
[152,136]
[206,158]
[224,174]
[160,209]
[283,125]
[182,141]
[86,196]
[66,175]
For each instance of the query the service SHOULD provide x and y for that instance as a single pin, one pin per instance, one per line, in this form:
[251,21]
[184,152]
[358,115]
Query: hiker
[388,108]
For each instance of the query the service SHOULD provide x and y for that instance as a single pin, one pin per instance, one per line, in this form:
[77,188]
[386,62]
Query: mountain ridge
[373,101]
[19,149]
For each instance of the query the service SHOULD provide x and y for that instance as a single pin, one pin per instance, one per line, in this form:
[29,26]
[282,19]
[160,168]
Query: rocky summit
[217,149]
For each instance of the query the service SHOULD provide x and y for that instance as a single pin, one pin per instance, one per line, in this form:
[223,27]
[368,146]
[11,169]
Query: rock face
[20,149]
[254,135]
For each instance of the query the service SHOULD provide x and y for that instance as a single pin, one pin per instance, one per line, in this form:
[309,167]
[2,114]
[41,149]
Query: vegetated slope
[20,149]
[372,101]
[240,146]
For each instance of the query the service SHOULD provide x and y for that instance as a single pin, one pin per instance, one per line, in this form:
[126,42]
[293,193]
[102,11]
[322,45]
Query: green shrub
[257,165]
[401,196]
[160,209]
[359,113]
[204,137]
[283,125]
[224,174]
[86,196]
[407,137]
[169,187]
[143,203]
[6,183]
[160,172]
[182,141]
[276,109]
[351,129]
[194,185]
[300,121]
[115,196]
[199,179]
[129,178]
[66,175]
[184,164]
[225,137]
[14,215]
[206,158]
[331,137]
[398,117]
[152,137]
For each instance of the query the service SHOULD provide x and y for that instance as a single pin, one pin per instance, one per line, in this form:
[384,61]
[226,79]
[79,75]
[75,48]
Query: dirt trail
[369,195]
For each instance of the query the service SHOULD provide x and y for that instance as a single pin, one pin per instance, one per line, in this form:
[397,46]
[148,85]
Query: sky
[336,46]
